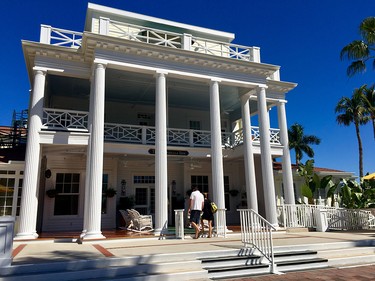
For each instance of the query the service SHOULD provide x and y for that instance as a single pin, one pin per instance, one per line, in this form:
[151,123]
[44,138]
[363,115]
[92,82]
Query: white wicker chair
[141,223]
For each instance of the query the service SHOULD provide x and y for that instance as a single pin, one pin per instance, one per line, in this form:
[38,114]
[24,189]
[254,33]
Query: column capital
[100,65]
[215,80]
[40,70]
[161,72]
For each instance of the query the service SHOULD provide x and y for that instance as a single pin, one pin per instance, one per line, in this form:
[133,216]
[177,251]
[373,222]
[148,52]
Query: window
[143,179]
[226,193]
[201,182]
[10,192]
[104,196]
[7,186]
[67,186]
[144,194]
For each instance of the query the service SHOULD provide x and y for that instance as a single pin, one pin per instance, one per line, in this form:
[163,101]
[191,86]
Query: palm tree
[359,51]
[301,142]
[352,110]
[369,100]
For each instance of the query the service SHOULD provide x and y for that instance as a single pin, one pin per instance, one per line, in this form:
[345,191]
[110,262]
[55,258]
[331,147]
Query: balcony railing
[64,120]
[62,37]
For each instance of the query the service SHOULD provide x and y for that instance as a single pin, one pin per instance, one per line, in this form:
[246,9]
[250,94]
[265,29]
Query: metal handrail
[256,233]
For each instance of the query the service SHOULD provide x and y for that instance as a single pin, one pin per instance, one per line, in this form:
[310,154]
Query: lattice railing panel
[66,38]
[65,120]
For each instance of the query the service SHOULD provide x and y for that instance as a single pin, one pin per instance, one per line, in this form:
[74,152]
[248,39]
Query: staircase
[202,265]
[242,264]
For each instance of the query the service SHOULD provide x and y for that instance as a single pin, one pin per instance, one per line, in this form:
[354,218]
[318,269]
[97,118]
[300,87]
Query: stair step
[237,267]
[228,258]
[302,261]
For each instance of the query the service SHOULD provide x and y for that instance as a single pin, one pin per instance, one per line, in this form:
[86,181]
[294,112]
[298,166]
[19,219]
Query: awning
[369,177]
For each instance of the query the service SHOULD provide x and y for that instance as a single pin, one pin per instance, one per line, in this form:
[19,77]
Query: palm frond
[355,67]
[367,29]
[355,50]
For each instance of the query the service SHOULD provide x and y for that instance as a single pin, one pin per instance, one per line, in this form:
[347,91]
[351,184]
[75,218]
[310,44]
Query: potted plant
[51,193]
[110,192]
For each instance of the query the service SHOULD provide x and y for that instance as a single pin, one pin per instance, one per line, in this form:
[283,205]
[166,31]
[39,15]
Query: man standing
[195,208]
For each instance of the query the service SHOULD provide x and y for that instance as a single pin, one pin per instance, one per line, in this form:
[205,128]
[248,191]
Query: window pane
[66,203]
[141,196]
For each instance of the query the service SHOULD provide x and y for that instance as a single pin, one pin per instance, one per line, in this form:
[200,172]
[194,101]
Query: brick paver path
[358,273]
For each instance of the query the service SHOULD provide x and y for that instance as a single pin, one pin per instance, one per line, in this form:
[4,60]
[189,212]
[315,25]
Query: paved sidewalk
[358,273]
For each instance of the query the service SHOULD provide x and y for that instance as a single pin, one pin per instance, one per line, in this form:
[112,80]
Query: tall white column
[94,206]
[286,162]
[161,169]
[251,188]
[29,199]
[266,159]
[88,159]
[216,146]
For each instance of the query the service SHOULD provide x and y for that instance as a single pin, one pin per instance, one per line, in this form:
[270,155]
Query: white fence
[337,218]
[256,233]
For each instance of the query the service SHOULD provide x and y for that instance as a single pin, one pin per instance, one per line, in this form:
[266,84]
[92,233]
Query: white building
[149,107]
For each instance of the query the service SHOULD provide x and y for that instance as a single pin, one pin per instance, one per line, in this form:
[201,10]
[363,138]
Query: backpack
[213,207]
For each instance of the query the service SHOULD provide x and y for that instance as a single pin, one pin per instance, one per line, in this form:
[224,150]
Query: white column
[266,159]
[30,190]
[88,159]
[94,201]
[216,146]
[286,162]
[161,169]
[251,188]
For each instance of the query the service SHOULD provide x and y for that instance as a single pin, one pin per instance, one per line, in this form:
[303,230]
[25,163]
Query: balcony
[66,38]
[77,121]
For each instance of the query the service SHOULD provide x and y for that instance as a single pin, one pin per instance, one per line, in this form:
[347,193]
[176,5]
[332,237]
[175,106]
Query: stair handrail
[256,232]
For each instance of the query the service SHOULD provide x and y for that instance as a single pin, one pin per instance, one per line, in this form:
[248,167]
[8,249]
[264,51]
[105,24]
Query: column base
[26,236]
[92,236]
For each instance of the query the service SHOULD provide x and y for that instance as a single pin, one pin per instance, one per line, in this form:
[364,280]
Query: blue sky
[303,37]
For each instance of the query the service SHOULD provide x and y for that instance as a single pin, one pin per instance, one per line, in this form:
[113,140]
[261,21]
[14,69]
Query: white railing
[256,233]
[143,34]
[60,37]
[70,120]
[56,119]
[72,39]
[337,218]
[220,223]
[221,49]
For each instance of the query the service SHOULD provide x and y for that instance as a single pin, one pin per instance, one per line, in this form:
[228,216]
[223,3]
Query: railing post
[45,34]
[186,41]
[179,223]
[103,25]
[255,54]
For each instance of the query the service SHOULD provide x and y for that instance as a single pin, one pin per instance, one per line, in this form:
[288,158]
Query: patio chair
[128,220]
[141,223]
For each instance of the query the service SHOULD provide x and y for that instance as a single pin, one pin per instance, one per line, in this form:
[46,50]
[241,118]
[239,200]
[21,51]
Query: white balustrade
[73,39]
[56,119]
[60,37]
[71,120]
[301,215]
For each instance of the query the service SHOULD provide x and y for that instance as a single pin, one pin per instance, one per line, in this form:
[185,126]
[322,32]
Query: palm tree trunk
[373,125]
[360,150]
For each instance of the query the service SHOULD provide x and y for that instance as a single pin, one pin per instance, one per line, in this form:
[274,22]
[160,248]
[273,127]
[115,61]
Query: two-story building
[148,107]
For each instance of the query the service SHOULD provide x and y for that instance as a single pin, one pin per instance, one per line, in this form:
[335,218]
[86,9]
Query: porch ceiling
[139,88]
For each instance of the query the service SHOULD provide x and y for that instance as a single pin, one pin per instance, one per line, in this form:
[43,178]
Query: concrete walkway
[47,251]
